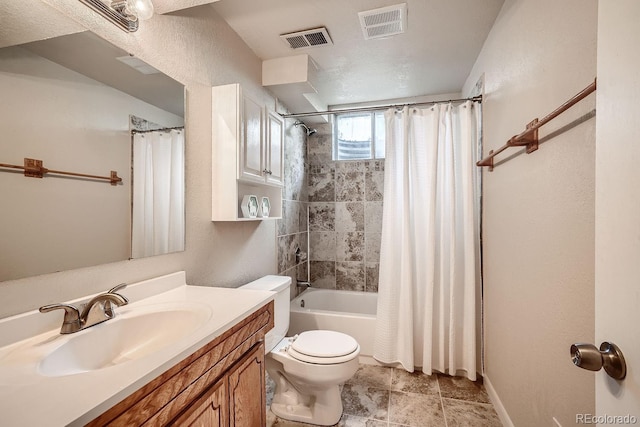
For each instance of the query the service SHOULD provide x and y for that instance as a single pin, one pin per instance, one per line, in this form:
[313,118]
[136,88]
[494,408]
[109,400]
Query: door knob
[609,357]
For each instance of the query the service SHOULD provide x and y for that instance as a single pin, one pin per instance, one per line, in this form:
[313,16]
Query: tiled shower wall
[292,229]
[345,217]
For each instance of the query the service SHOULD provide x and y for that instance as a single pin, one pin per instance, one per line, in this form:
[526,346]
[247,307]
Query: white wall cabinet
[274,148]
[247,154]
[253,166]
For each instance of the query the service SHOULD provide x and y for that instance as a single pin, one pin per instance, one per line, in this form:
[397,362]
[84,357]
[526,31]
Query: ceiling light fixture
[124,13]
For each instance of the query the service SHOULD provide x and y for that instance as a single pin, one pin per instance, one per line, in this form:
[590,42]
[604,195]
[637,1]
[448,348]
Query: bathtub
[350,312]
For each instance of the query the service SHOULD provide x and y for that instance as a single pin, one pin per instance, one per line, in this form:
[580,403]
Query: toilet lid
[324,344]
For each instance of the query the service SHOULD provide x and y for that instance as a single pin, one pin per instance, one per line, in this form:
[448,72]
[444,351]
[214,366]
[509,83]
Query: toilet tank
[280,285]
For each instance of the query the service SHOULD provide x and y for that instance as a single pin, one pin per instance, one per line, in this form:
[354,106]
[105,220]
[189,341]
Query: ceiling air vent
[307,38]
[383,22]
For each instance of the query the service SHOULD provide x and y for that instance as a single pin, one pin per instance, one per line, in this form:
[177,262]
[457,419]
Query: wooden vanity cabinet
[211,410]
[222,384]
[232,401]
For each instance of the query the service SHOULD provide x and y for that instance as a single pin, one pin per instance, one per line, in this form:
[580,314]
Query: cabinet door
[211,410]
[247,406]
[275,149]
[251,145]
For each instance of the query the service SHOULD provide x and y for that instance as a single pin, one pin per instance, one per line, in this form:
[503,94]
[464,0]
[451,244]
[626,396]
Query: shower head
[306,128]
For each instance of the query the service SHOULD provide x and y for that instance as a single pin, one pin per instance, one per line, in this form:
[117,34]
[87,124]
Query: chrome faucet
[97,310]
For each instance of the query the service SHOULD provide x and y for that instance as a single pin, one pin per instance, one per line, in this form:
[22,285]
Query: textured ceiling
[433,56]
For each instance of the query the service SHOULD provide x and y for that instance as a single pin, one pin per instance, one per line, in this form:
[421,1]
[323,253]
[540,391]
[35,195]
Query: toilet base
[308,392]
[302,415]
[320,406]
[324,409]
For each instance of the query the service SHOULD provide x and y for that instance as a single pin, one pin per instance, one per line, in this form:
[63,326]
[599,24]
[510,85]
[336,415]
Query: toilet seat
[323,347]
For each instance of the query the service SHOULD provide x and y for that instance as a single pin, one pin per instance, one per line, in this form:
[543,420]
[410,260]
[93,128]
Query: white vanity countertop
[29,398]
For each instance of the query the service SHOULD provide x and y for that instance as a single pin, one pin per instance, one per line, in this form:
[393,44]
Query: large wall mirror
[80,104]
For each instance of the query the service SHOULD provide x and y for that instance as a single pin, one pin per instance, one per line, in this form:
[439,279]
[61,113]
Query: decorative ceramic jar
[249,206]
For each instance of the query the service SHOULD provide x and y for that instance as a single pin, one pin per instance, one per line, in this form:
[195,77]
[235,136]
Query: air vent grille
[383,30]
[384,22]
[316,39]
[307,38]
[297,42]
[382,18]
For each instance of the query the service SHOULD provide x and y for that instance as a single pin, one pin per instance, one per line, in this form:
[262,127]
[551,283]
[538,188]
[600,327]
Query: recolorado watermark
[606,419]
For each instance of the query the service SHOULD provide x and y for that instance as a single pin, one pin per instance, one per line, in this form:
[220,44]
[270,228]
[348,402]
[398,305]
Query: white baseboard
[497,403]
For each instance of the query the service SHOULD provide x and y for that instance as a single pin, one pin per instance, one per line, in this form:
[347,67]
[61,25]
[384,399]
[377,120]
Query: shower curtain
[429,258]
[158,193]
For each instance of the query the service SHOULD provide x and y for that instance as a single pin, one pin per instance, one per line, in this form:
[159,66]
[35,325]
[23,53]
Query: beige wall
[538,230]
[197,48]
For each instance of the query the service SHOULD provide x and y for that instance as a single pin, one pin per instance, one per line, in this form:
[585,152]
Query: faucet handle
[71,322]
[108,308]
[117,288]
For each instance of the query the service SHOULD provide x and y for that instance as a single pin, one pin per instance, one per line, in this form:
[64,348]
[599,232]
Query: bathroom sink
[131,336]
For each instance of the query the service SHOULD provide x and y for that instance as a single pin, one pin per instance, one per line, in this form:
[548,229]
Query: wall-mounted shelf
[529,137]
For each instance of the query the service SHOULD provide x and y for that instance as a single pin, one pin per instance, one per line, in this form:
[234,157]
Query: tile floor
[379,396]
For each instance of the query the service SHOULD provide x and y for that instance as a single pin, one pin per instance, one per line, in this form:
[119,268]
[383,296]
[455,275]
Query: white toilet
[307,368]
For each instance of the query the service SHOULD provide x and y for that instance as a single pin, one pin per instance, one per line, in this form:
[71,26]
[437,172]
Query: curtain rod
[377,108]
[157,130]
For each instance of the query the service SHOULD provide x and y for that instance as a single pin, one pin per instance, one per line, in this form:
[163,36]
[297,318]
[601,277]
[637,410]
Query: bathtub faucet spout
[303,284]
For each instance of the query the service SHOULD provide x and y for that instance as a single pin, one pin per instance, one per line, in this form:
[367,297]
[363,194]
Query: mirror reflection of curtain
[158,193]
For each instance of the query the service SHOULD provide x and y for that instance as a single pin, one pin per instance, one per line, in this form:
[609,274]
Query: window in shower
[358,136]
